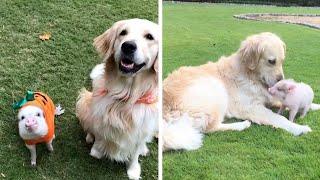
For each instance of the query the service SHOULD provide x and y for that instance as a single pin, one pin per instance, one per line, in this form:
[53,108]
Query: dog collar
[147,98]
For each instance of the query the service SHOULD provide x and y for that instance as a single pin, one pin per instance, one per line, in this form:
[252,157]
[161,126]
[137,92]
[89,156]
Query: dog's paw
[301,130]
[95,153]
[244,125]
[134,172]
[33,163]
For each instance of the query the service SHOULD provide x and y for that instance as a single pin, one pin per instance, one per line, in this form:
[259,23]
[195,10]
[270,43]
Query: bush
[266,2]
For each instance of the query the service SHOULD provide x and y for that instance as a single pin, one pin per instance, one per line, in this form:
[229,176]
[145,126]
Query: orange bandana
[44,102]
[148,98]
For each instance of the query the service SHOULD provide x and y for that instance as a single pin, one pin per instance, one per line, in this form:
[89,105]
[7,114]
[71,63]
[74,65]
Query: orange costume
[44,102]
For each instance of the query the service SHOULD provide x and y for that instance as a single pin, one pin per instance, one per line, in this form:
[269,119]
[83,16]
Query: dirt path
[302,19]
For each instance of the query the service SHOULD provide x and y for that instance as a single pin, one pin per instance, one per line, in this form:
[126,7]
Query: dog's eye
[22,117]
[272,61]
[149,36]
[123,32]
[38,114]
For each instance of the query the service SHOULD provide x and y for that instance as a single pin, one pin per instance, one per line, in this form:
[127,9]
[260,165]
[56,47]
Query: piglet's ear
[291,87]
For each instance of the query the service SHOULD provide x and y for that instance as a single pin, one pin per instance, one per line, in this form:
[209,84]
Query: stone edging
[251,16]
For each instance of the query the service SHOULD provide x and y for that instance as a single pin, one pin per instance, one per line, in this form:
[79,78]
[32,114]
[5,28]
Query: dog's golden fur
[235,86]
[109,114]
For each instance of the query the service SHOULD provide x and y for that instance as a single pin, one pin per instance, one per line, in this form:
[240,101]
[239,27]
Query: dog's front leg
[96,149]
[134,169]
[262,115]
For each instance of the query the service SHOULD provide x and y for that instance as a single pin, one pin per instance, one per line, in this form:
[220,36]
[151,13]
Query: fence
[266,2]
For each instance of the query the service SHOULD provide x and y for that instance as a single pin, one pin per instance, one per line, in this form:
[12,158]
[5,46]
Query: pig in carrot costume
[36,121]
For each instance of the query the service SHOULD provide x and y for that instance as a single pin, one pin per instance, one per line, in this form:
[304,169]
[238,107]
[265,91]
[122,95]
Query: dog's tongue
[127,65]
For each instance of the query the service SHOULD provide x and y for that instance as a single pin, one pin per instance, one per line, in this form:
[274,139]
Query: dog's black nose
[279,78]
[129,47]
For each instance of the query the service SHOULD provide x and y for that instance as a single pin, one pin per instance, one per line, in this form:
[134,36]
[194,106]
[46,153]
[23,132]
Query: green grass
[59,67]
[196,33]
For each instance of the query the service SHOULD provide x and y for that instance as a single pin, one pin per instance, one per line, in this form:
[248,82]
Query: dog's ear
[284,47]
[104,43]
[156,65]
[250,52]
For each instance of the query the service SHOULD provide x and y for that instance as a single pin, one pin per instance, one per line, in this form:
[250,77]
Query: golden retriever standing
[120,114]
[198,99]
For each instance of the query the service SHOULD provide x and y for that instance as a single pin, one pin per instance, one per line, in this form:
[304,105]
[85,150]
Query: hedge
[266,2]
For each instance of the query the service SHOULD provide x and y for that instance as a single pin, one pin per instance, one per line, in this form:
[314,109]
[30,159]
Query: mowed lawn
[196,33]
[59,67]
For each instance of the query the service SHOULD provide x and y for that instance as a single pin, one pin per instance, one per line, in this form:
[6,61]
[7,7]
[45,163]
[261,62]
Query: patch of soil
[302,19]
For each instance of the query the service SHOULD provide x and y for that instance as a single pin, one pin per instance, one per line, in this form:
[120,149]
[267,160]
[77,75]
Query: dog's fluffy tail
[315,107]
[180,134]
[97,71]
[83,107]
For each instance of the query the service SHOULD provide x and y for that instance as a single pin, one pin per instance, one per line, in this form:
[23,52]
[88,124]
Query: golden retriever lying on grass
[120,114]
[198,99]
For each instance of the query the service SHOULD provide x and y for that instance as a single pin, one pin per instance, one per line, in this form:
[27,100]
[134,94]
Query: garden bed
[310,20]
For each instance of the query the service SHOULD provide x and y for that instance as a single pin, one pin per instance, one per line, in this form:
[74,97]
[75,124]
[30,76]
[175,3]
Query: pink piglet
[297,97]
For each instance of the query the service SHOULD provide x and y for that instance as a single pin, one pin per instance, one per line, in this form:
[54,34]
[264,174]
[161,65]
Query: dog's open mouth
[128,66]
[265,84]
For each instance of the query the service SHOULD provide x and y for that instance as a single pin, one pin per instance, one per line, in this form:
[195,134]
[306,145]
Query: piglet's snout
[31,124]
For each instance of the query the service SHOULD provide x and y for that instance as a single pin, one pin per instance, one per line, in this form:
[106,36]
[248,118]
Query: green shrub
[267,2]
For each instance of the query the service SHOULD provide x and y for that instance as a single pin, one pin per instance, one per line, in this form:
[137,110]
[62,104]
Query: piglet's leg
[304,111]
[33,152]
[292,114]
[49,145]
[282,108]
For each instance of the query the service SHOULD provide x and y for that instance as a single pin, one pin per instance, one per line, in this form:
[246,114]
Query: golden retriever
[120,114]
[198,99]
